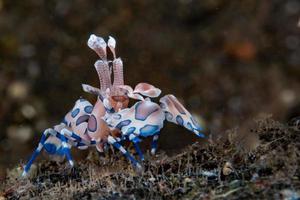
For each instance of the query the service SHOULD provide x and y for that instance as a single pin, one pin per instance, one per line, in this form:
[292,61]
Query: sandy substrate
[263,164]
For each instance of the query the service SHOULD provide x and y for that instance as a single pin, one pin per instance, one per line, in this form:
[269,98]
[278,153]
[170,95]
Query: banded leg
[136,140]
[154,144]
[37,151]
[66,147]
[79,141]
[112,141]
[139,151]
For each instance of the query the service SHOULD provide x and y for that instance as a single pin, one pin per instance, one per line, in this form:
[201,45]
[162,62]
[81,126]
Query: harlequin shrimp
[145,118]
[83,126]
[110,121]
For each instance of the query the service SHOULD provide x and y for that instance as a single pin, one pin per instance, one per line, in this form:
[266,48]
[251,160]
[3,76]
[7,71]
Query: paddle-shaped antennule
[98,45]
[117,63]
[129,92]
[111,43]
[147,90]
[118,72]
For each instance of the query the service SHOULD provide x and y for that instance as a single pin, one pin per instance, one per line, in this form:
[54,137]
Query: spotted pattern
[177,104]
[81,119]
[148,130]
[130,130]
[189,126]
[144,110]
[179,108]
[88,109]
[179,120]
[75,112]
[123,123]
[92,125]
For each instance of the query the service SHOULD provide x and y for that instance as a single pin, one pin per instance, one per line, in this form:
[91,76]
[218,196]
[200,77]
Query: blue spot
[88,109]
[189,126]
[148,130]
[50,148]
[123,123]
[75,112]
[179,120]
[130,130]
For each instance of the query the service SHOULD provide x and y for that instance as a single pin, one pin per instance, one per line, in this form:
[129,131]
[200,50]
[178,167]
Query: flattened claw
[178,114]
[147,90]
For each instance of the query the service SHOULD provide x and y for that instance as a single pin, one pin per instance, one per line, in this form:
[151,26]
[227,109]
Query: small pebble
[227,169]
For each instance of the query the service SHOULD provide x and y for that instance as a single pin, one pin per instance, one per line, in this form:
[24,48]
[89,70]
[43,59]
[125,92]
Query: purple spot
[123,123]
[144,110]
[179,120]
[82,119]
[92,125]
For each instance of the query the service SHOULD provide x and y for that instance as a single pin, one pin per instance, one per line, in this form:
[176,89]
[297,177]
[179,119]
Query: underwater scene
[180,99]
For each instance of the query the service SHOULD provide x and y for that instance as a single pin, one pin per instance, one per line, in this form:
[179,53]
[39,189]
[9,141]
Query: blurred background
[229,62]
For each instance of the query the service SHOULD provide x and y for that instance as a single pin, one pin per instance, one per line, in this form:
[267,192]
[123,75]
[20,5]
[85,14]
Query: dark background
[228,61]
